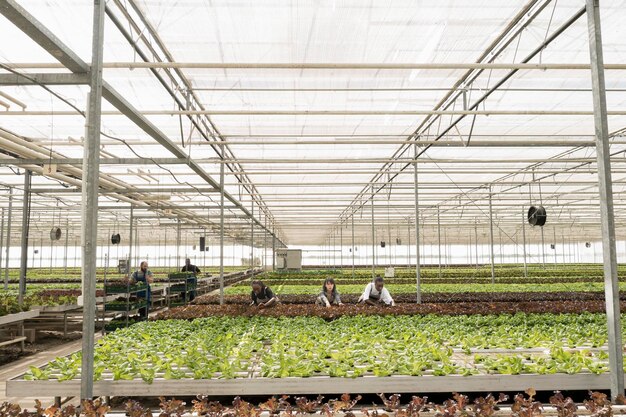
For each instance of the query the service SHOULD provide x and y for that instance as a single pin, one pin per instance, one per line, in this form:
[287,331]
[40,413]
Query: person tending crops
[144,275]
[329,295]
[262,296]
[375,293]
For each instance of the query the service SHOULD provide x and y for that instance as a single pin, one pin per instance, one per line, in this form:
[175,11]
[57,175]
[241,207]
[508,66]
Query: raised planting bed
[394,289]
[266,355]
[484,297]
[189,312]
[17,320]
[313,385]
[17,317]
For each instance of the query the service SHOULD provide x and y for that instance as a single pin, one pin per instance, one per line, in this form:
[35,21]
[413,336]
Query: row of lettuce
[277,347]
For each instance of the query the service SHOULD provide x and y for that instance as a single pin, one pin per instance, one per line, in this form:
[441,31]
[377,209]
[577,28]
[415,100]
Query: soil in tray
[46,340]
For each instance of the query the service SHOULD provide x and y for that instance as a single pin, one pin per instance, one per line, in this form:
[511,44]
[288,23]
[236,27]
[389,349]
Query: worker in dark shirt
[144,275]
[189,267]
[262,296]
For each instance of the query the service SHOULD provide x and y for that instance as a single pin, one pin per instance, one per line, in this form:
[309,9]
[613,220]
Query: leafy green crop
[234,347]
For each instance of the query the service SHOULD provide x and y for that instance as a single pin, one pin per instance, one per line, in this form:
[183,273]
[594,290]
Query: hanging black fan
[116,239]
[382,244]
[537,216]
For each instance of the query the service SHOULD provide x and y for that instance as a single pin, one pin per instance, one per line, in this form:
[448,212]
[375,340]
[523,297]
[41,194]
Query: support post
[408,250]
[24,241]
[91,156]
[252,235]
[67,235]
[273,248]
[373,239]
[476,241]
[334,251]
[524,242]
[555,245]
[341,246]
[177,261]
[353,247]
[417,234]
[8,248]
[130,242]
[611,289]
[51,253]
[439,240]
[2,239]
[264,243]
[222,229]
[493,269]
[543,250]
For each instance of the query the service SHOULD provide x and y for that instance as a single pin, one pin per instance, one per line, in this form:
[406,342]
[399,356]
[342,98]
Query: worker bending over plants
[262,296]
[329,295]
[376,294]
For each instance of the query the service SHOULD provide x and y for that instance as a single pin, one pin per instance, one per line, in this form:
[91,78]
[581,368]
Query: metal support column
[418,277]
[265,243]
[177,261]
[476,241]
[493,269]
[408,250]
[524,241]
[24,241]
[252,236]
[67,235]
[222,229]
[91,156]
[555,245]
[341,245]
[130,265]
[2,239]
[273,248]
[373,239]
[439,240]
[8,248]
[353,248]
[543,249]
[611,289]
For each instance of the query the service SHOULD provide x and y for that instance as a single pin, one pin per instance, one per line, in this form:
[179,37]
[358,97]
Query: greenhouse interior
[334,207]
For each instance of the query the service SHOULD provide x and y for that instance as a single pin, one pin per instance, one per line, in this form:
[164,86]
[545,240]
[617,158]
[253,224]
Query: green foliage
[227,347]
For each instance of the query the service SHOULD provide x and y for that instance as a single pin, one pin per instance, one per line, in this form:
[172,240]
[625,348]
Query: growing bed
[266,355]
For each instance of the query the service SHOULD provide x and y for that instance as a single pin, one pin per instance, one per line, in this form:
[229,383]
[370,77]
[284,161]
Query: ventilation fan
[537,216]
[55,233]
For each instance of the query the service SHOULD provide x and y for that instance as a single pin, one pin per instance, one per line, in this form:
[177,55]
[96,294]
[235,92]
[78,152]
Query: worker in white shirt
[375,293]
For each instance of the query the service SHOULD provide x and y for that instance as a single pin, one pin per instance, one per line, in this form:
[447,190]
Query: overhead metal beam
[42,36]
[139,190]
[276,112]
[494,49]
[44,78]
[498,143]
[193,163]
[46,39]
[335,65]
